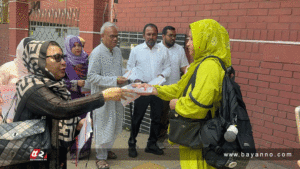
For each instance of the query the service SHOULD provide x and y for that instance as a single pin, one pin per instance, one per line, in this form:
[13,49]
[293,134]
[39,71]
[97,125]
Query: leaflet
[133,74]
[84,135]
[157,81]
[7,93]
[135,95]
[127,74]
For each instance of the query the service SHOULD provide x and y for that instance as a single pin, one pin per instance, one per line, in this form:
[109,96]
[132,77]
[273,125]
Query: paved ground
[170,160]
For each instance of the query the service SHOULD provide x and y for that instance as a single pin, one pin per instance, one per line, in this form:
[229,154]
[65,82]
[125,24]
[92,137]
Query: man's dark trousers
[140,107]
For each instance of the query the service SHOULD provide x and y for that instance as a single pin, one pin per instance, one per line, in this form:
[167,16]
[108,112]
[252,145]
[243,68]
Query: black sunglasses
[57,57]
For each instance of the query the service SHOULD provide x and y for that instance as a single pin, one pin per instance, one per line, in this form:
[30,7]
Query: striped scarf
[34,58]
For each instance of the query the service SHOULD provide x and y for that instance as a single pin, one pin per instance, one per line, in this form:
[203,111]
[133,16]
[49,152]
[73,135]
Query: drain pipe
[104,13]
[111,10]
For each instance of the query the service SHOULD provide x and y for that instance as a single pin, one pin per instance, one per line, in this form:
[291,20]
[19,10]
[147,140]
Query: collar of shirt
[146,46]
[106,48]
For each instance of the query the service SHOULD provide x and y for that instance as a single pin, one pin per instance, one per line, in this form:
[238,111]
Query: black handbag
[185,131]
[19,139]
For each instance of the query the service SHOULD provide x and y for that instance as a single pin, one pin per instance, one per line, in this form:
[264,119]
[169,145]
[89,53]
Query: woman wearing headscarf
[44,93]
[206,37]
[77,64]
[76,70]
[10,73]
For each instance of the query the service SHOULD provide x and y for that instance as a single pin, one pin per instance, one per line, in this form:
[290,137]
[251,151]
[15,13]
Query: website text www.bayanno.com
[261,155]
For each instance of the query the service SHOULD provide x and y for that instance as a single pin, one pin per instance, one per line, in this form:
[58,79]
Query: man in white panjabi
[104,71]
[179,63]
[152,61]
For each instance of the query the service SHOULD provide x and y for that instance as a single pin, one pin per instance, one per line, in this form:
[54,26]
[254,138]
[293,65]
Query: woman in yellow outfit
[206,37]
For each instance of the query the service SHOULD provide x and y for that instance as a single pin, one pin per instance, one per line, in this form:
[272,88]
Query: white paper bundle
[157,81]
[86,88]
[7,93]
[135,96]
[133,74]
[85,134]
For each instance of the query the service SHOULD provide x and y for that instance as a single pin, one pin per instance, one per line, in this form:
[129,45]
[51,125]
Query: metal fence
[4,11]
[4,32]
[54,24]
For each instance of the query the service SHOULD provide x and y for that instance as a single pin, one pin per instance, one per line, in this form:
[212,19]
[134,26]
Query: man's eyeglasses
[172,36]
[57,57]
[113,36]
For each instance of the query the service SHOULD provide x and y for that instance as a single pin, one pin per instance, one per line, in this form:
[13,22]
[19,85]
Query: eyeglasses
[172,36]
[113,36]
[57,57]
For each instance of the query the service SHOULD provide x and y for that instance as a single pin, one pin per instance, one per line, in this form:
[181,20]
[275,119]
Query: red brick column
[91,14]
[18,24]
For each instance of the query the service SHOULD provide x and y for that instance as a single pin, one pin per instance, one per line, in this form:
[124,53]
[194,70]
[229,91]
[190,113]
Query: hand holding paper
[127,100]
[145,89]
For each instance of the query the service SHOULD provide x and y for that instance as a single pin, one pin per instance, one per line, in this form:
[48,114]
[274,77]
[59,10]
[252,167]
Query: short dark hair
[149,25]
[164,31]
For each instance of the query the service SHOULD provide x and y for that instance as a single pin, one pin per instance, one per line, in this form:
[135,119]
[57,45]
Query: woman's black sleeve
[45,103]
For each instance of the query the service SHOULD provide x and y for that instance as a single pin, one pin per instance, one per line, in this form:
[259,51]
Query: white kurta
[104,68]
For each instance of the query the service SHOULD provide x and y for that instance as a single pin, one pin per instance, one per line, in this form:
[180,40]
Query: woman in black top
[44,93]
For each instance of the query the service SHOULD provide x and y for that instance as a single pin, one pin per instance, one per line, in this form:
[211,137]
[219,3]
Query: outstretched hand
[116,94]
[145,86]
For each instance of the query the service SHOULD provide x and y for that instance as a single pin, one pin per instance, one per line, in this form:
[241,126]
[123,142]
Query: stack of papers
[135,96]
[7,93]
[133,74]
[157,81]
[84,135]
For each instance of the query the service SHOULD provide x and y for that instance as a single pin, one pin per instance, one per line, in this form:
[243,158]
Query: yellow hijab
[209,38]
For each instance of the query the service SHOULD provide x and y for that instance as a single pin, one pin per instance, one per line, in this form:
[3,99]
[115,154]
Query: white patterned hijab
[22,71]
[34,58]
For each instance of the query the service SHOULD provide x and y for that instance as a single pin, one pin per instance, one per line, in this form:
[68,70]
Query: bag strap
[11,103]
[228,72]
[192,82]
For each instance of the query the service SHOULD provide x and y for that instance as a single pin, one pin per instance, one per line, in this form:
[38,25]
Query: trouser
[164,119]
[102,151]
[63,157]
[140,107]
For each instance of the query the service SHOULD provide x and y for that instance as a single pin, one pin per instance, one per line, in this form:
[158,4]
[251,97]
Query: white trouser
[103,149]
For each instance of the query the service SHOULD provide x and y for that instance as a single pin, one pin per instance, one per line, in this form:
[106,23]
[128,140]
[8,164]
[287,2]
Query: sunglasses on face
[57,57]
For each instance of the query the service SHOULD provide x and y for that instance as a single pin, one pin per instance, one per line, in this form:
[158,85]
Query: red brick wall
[56,4]
[269,74]
[4,41]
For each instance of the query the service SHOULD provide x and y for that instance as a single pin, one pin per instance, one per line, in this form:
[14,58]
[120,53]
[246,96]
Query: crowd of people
[58,81]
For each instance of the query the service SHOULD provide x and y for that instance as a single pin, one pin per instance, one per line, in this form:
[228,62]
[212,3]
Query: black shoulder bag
[186,131]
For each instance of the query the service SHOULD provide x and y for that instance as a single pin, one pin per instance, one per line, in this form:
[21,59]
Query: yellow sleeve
[167,92]
[207,92]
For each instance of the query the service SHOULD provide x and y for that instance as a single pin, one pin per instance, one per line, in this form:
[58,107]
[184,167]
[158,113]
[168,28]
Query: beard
[150,42]
[169,44]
